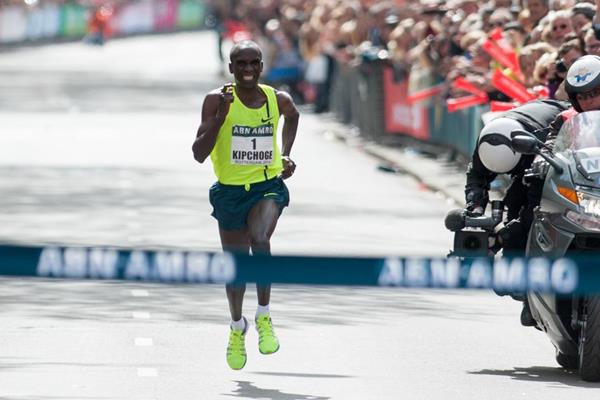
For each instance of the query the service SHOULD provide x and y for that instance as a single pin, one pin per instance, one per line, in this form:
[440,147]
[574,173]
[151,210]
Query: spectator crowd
[427,42]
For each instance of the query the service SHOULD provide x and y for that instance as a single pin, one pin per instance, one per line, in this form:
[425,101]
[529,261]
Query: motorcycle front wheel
[589,340]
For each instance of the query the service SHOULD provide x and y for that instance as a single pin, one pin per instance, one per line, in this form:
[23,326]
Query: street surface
[95,149]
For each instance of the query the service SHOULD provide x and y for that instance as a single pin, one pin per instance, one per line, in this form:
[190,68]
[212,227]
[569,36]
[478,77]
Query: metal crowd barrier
[560,275]
[358,97]
[45,21]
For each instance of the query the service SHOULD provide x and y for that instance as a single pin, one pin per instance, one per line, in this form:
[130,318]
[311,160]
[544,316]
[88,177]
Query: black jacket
[536,117]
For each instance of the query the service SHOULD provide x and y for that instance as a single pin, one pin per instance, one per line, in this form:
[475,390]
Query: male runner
[239,131]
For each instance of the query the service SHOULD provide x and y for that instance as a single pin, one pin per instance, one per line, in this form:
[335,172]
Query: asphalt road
[95,149]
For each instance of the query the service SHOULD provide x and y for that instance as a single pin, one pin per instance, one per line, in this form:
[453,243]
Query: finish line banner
[561,275]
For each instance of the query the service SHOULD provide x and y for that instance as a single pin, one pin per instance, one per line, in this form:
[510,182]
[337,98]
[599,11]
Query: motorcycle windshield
[579,139]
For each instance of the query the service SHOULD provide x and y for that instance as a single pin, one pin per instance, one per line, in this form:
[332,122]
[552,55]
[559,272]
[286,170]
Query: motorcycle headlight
[585,221]
[590,205]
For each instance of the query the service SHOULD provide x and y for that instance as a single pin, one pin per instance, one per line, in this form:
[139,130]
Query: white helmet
[494,147]
[583,76]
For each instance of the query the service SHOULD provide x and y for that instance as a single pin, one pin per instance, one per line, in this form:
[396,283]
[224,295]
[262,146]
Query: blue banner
[561,275]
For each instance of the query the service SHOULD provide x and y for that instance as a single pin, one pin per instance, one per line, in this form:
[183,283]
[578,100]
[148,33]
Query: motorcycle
[567,222]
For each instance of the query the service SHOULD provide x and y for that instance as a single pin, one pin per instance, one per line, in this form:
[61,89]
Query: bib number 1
[252,145]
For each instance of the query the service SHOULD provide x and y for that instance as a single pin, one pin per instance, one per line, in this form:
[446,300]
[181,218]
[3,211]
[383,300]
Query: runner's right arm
[214,110]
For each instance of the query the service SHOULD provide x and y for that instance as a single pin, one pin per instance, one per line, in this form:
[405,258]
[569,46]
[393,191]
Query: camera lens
[472,243]
[560,66]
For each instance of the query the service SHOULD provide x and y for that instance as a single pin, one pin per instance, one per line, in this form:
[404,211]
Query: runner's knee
[259,241]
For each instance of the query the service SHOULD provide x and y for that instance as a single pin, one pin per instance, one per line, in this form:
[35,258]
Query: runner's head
[582,83]
[246,63]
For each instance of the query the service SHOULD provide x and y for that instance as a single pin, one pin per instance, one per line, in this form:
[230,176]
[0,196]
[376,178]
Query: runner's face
[246,67]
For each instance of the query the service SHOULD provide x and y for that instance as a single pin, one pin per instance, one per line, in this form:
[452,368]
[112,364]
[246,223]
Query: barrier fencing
[54,21]
[368,97]
[560,275]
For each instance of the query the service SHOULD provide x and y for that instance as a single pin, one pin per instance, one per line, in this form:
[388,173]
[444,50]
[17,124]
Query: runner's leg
[262,221]
[236,242]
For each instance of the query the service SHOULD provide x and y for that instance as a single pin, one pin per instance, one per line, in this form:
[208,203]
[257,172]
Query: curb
[435,174]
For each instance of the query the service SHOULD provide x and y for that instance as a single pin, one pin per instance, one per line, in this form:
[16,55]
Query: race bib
[252,145]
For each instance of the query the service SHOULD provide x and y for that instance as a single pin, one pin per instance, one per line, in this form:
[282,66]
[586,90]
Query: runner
[239,131]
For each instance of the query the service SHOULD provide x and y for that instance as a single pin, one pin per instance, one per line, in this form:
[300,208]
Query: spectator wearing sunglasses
[560,27]
[499,18]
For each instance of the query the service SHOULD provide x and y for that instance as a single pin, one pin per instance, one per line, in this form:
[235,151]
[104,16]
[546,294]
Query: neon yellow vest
[246,149]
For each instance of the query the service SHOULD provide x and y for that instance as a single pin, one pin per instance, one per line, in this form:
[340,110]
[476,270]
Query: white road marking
[142,341]
[147,372]
[139,293]
[140,315]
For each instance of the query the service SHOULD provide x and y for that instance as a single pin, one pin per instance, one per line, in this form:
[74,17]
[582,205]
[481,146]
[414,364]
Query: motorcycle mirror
[521,132]
[525,144]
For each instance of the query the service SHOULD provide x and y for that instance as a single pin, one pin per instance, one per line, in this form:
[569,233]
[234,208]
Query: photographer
[494,155]
[567,53]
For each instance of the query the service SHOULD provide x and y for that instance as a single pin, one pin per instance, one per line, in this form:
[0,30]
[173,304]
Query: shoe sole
[266,354]
[237,369]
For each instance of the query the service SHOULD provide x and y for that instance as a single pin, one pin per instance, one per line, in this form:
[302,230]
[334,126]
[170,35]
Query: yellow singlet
[246,150]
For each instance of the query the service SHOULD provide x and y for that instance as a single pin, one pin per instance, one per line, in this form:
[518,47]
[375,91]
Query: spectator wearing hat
[515,34]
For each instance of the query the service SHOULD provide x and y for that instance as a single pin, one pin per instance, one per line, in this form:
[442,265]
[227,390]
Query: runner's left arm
[290,113]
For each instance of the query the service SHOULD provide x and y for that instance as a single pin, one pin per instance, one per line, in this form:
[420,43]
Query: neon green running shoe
[267,341]
[236,349]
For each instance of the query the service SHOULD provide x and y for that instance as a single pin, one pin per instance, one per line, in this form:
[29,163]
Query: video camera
[472,233]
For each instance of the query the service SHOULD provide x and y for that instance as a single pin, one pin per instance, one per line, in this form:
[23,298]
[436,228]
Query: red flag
[462,84]
[494,50]
[511,88]
[542,91]
[498,106]
[510,55]
[465,102]
[425,93]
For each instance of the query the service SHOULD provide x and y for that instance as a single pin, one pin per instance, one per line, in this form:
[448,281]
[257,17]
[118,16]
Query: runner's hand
[289,166]
[225,100]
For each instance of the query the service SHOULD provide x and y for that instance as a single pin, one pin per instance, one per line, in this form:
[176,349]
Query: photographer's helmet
[494,147]
[583,76]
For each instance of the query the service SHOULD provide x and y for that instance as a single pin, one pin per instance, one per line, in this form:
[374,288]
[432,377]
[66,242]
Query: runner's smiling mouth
[248,77]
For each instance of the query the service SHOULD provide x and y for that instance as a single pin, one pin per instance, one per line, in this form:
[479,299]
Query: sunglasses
[588,95]
[592,47]
[561,27]
[498,24]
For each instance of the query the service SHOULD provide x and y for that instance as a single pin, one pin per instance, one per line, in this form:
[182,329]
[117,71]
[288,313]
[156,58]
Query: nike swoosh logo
[265,120]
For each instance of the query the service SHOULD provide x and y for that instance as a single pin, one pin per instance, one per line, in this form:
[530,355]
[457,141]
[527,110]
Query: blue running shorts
[232,203]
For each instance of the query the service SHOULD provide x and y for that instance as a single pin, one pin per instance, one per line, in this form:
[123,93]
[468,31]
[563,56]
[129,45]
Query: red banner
[165,14]
[402,116]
